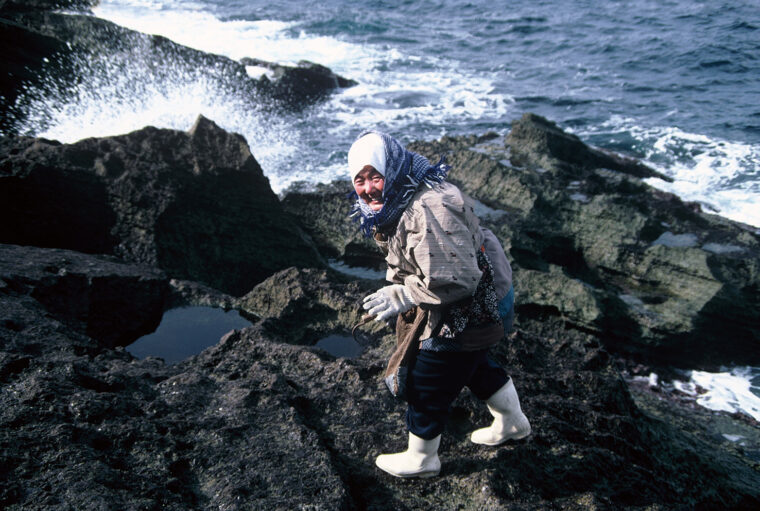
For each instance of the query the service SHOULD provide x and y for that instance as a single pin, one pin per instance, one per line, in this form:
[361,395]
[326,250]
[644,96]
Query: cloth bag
[409,327]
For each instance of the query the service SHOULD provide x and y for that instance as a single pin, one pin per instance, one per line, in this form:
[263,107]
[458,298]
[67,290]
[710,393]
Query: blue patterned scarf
[404,172]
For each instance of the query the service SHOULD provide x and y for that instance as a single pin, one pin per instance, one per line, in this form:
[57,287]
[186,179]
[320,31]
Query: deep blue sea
[675,82]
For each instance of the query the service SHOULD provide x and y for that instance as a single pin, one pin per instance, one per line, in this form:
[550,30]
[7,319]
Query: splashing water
[730,390]
[124,93]
[724,176]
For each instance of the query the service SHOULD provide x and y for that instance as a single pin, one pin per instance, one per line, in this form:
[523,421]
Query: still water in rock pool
[340,346]
[187,331]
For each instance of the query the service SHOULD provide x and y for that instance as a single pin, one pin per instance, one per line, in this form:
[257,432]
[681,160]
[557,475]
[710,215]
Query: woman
[443,292]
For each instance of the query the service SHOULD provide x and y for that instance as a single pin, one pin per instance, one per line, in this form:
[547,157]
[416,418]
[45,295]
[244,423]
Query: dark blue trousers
[437,377]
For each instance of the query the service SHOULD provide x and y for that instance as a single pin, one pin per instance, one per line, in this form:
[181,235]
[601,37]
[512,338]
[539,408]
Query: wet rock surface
[32,5]
[265,419]
[26,54]
[323,212]
[202,210]
[300,85]
[733,433]
[607,230]
[289,296]
[258,422]
[101,297]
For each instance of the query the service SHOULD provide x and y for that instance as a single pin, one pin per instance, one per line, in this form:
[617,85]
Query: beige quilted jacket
[433,251]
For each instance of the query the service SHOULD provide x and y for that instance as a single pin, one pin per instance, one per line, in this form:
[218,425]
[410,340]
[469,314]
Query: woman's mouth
[374,202]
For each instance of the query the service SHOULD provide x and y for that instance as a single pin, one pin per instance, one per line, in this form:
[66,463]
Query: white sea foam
[396,87]
[259,71]
[424,96]
[731,390]
[710,171]
[722,175]
[356,271]
[122,94]
[190,25]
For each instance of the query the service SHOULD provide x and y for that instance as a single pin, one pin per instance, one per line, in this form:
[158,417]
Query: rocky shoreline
[100,237]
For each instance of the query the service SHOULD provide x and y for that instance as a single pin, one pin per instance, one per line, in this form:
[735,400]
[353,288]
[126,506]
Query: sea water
[339,345]
[673,82]
[732,390]
[186,331]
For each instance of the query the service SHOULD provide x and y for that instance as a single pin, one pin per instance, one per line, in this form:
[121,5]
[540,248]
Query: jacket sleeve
[441,241]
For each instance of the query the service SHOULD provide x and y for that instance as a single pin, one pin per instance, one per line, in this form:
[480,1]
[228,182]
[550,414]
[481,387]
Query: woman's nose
[369,187]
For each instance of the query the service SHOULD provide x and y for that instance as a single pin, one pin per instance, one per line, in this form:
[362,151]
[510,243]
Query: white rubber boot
[509,422]
[419,460]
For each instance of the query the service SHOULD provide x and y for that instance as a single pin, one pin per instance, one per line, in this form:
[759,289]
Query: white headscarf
[367,150]
[404,171]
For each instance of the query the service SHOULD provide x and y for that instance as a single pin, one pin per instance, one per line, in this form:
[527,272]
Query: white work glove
[388,301]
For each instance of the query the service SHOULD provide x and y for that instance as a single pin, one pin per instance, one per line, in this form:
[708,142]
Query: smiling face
[368,184]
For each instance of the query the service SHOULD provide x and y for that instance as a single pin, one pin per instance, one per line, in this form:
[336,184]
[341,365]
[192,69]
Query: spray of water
[722,175]
[729,390]
[129,90]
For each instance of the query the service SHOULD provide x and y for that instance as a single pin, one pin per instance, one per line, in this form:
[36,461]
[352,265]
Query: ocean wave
[396,85]
[731,390]
[721,174]
[124,93]
[201,30]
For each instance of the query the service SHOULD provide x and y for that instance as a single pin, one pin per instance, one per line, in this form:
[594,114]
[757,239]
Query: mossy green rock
[323,211]
[671,284]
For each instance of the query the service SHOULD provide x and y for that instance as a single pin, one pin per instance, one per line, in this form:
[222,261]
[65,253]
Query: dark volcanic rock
[25,58]
[287,297]
[323,212]
[253,423]
[300,85]
[187,293]
[654,276]
[540,143]
[10,6]
[50,204]
[195,204]
[101,297]
[591,446]
[86,427]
